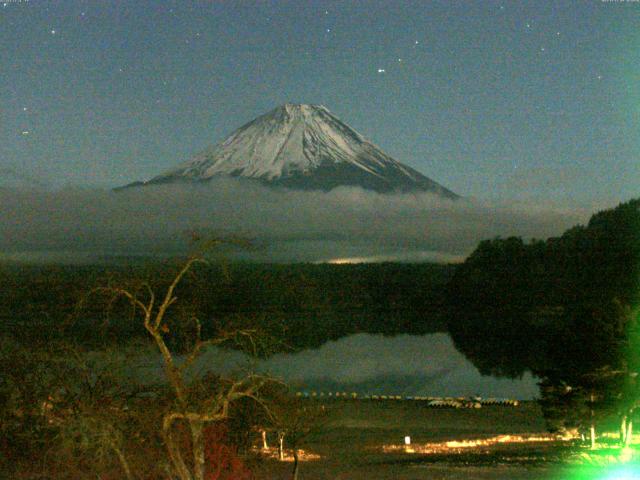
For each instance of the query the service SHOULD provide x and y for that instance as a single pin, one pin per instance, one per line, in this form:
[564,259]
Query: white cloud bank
[346,223]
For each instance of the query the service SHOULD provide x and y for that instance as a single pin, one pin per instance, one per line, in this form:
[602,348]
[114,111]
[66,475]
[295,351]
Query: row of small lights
[400,397]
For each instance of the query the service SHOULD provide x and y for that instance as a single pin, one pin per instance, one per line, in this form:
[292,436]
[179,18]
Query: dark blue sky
[494,99]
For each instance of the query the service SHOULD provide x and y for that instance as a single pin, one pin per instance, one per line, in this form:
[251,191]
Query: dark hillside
[311,303]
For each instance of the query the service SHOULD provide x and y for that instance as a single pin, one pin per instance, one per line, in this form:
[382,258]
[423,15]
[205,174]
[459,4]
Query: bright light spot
[381,70]
[303,455]
[626,454]
[458,446]
[25,132]
[345,261]
[53,32]
[407,440]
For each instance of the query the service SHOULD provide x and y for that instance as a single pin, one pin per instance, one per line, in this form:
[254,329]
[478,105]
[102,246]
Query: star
[599,77]
[381,70]
[528,25]
[24,109]
[399,60]
[328,30]
[53,32]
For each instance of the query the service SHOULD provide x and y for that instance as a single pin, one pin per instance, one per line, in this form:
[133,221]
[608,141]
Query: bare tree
[295,419]
[192,407]
[93,407]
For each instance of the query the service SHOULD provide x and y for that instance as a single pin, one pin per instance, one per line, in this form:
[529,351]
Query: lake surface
[426,365]
[405,365]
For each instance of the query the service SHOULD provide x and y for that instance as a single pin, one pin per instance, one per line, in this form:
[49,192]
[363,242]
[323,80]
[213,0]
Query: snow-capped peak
[302,146]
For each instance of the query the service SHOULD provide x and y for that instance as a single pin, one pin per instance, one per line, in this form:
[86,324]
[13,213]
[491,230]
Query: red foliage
[222,461]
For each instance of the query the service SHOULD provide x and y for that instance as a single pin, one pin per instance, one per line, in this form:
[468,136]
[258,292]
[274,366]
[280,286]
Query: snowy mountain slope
[303,147]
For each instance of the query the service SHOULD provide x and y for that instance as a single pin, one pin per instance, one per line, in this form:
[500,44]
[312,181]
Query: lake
[410,365]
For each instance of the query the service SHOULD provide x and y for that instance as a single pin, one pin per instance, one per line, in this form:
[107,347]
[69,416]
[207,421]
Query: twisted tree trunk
[197,446]
[296,465]
[175,455]
[592,429]
[628,438]
[281,445]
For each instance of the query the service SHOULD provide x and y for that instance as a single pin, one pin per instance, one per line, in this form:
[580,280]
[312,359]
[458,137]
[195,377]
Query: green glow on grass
[624,472]
[614,472]
[606,464]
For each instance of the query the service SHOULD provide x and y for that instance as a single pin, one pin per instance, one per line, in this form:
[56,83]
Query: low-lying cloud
[348,224]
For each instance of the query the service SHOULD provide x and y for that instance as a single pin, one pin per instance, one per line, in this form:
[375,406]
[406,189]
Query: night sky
[495,100]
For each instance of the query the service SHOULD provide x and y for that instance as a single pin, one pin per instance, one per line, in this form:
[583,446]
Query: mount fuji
[301,146]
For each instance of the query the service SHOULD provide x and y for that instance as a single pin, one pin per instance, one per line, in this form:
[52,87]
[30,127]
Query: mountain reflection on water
[426,365]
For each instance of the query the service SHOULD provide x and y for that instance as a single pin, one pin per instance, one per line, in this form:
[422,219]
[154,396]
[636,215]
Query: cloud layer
[346,223]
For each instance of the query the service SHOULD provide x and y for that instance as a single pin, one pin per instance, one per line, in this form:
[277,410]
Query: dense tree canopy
[312,303]
[564,309]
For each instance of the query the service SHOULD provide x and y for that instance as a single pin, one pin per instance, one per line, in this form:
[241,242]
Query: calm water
[401,365]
